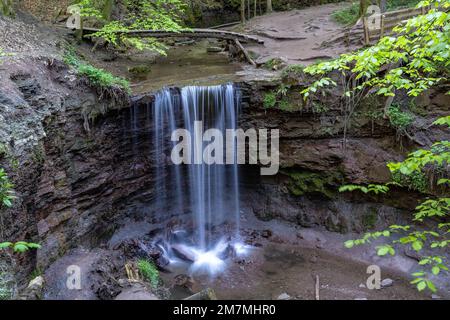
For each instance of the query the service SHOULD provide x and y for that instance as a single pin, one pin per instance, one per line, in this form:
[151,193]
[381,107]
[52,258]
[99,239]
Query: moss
[369,219]
[306,182]
[140,70]
[274,64]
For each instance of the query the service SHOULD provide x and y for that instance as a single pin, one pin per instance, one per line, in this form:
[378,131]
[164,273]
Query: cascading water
[209,192]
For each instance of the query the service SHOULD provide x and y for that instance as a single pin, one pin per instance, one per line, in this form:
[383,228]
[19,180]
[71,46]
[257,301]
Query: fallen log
[192,33]
[246,54]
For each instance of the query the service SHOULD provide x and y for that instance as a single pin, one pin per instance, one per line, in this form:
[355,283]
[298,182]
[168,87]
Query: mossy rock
[306,182]
[140,70]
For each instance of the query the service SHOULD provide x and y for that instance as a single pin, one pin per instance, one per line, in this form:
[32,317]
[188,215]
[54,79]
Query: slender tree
[269,6]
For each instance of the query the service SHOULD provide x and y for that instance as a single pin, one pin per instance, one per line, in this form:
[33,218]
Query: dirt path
[296,36]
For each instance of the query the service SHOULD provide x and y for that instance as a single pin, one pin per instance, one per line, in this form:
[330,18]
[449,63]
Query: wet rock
[213,49]
[136,292]
[34,289]
[284,296]
[183,283]
[266,233]
[387,282]
[183,252]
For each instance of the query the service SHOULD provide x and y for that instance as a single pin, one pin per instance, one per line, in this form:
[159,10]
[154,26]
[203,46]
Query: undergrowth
[349,15]
[149,272]
[98,78]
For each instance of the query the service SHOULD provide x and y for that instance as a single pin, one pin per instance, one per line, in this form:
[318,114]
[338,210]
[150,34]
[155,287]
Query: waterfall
[208,192]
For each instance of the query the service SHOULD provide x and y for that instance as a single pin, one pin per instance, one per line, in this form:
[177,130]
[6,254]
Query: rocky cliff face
[315,160]
[80,165]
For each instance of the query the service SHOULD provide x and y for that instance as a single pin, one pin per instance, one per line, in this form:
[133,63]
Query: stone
[136,292]
[34,289]
[214,49]
[362,285]
[284,296]
[266,233]
[387,282]
[313,259]
[435,297]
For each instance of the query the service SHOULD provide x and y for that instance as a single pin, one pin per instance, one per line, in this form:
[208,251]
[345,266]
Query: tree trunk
[108,9]
[254,8]
[243,11]
[383,5]
[269,6]
[363,5]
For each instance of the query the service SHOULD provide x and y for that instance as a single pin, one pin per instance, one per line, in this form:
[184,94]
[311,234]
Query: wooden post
[366,31]
[382,26]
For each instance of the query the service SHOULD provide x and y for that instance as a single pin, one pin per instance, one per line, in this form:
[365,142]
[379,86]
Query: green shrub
[399,119]
[149,272]
[270,100]
[96,77]
[102,78]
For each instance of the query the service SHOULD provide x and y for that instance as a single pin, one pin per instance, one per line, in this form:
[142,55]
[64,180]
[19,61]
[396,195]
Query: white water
[209,193]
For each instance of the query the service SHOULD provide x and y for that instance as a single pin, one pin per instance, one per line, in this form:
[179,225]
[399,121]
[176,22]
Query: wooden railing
[380,24]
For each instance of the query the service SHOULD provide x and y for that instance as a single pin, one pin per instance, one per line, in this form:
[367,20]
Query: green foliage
[444,121]
[416,59]
[102,78]
[351,14]
[138,15]
[371,188]
[96,77]
[149,272]
[7,8]
[436,208]
[20,246]
[293,70]
[304,182]
[412,172]
[274,64]
[270,100]
[6,193]
[347,16]
[6,197]
[399,119]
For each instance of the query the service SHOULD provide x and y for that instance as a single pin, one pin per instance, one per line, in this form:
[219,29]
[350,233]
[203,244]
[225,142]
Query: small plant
[294,70]
[399,119]
[6,193]
[20,246]
[102,78]
[270,100]
[149,272]
[371,188]
[347,16]
[97,77]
